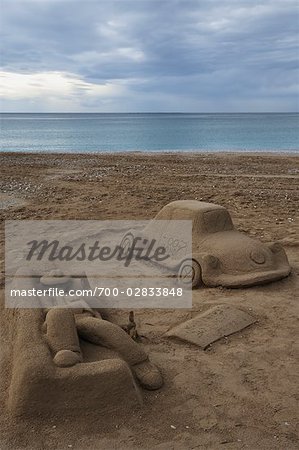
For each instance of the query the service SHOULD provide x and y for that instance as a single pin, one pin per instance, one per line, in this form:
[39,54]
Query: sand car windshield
[217,220]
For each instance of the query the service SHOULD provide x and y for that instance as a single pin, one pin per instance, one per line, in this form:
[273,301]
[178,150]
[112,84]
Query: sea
[150,132]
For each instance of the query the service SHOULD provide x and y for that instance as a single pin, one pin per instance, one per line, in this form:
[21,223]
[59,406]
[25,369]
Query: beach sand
[240,392]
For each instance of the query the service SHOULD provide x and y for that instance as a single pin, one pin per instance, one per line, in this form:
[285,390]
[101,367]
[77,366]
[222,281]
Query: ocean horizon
[149,132]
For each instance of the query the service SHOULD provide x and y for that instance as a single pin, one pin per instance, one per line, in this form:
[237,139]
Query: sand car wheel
[127,243]
[190,273]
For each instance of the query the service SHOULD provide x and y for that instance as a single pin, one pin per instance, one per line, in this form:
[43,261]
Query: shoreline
[158,152]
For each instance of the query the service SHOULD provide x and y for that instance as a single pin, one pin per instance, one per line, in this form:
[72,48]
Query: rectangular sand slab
[212,325]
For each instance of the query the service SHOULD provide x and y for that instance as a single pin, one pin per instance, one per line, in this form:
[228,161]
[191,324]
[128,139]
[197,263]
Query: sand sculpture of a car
[221,255]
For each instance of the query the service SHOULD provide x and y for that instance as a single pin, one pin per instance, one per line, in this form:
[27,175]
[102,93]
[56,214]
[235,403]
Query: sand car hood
[232,259]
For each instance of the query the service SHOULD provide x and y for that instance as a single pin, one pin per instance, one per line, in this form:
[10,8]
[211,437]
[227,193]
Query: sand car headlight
[258,257]
[211,261]
[276,247]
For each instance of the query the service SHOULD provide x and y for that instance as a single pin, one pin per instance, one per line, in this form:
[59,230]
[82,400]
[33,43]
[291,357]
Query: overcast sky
[149,55]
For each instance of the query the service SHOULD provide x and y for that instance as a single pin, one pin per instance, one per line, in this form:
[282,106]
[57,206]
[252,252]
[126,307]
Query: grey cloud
[176,51]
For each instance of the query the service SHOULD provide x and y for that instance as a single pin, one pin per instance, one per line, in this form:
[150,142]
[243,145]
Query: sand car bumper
[244,280]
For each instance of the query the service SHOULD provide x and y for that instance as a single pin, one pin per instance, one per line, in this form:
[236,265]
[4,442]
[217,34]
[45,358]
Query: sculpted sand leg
[102,332]
[62,337]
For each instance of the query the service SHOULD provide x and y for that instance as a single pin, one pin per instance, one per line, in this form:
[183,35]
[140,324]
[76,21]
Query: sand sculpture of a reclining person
[64,326]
